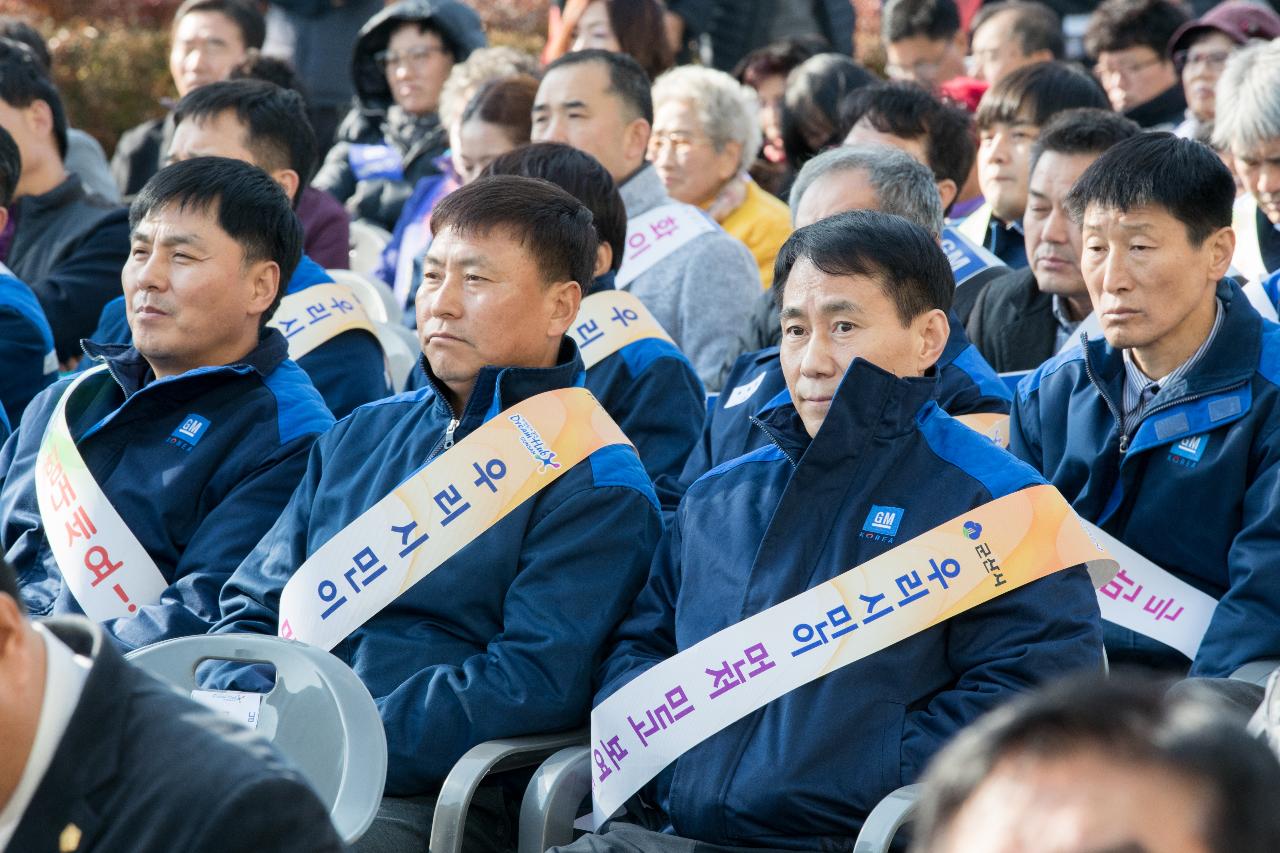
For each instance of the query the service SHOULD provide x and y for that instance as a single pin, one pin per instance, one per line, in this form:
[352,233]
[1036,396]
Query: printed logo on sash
[610,320]
[449,502]
[189,432]
[103,564]
[375,161]
[317,314]
[994,426]
[654,235]
[882,523]
[742,393]
[988,551]
[1189,450]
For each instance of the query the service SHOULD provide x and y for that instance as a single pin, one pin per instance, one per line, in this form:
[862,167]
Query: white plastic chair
[400,345]
[375,297]
[367,243]
[319,715]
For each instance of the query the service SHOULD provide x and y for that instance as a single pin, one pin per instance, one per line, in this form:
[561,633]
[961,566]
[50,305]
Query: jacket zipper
[448,434]
[769,435]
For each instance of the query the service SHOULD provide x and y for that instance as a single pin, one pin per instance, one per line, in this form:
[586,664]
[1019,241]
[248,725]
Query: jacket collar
[1231,360]
[869,403]
[499,388]
[133,372]
[643,191]
[1167,108]
[67,192]
[88,758]
[602,283]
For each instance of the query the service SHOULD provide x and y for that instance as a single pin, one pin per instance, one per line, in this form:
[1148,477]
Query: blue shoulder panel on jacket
[413,395]
[1269,359]
[973,453]
[1032,382]
[768,453]
[306,274]
[300,408]
[638,355]
[618,465]
[983,375]
[1195,417]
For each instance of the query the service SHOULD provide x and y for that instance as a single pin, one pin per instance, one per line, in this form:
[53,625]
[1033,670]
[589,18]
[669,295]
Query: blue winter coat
[26,347]
[1193,485]
[348,370]
[502,638]
[196,506]
[966,385]
[804,771]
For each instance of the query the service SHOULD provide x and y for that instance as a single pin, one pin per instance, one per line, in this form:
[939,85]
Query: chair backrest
[319,715]
[402,349]
[375,297]
[367,243]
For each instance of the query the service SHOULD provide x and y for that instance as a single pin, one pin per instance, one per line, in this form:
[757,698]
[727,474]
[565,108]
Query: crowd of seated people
[804,432]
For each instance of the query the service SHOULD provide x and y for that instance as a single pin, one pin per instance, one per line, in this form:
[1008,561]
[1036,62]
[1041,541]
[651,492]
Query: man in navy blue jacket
[263,124]
[1165,433]
[865,300]
[872,177]
[200,433]
[503,637]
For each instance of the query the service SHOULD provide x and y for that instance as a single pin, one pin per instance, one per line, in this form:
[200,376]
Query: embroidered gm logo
[189,432]
[882,522]
[1189,450]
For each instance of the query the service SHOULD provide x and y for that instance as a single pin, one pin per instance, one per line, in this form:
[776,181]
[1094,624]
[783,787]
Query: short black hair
[252,209]
[1035,25]
[278,131]
[10,167]
[580,175]
[776,59]
[272,69]
[627,79]
[1083,131]
[933,19]
[19,30]
[901,255]
[1120,24]
[1131,720]
[811,104]
[246,17]
[1183,176]
[1036,93]
[9,583]
[908,111]
[552,225]
[23,80]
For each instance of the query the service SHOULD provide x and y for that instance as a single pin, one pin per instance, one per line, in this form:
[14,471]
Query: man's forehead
[580,81]
[480,244]
[192,217]
[1268,149]
[1137,218]
[1058,171]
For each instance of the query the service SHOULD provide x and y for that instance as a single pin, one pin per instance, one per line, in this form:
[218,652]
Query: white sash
[666,711]
[1247,258]
[976,225]
[608,321]
[653,235]
[449,502]
[1148,600]
[318,314]
[102,562]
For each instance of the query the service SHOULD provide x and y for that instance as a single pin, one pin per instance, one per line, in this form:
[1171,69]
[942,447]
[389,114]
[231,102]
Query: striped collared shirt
[1139,389]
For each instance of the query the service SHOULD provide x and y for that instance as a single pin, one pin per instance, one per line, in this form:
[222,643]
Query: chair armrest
[886,819]
[552,799]
[1256,671]
[478,762]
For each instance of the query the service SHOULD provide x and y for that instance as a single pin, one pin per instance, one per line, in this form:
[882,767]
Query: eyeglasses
[679,143]
[414,57]
[1126,71]
[1214,60]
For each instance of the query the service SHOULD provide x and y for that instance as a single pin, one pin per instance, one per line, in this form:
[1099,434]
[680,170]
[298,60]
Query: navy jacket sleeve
[1253,596]
[544,658]
[229,532]
[73,293]
[1024,426]
[22,352]
[268,813]
[348,371]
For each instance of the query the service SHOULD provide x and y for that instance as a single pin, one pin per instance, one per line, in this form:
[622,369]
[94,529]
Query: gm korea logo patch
[882,523]
[1189,450]
[188,433]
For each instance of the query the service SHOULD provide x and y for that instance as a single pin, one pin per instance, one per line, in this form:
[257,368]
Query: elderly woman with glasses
[705,137]
[393,136]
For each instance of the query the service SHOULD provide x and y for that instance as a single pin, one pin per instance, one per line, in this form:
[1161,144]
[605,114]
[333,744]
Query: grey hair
[1248,98]
[726,108]
[484,65]
[903,185]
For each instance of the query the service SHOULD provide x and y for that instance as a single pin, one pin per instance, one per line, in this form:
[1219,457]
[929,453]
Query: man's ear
[934,330]
[39,117]
[635,141]
[565,298]
[1222,246]
[947,189]
[264,283]
[604,255]
[288,181]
